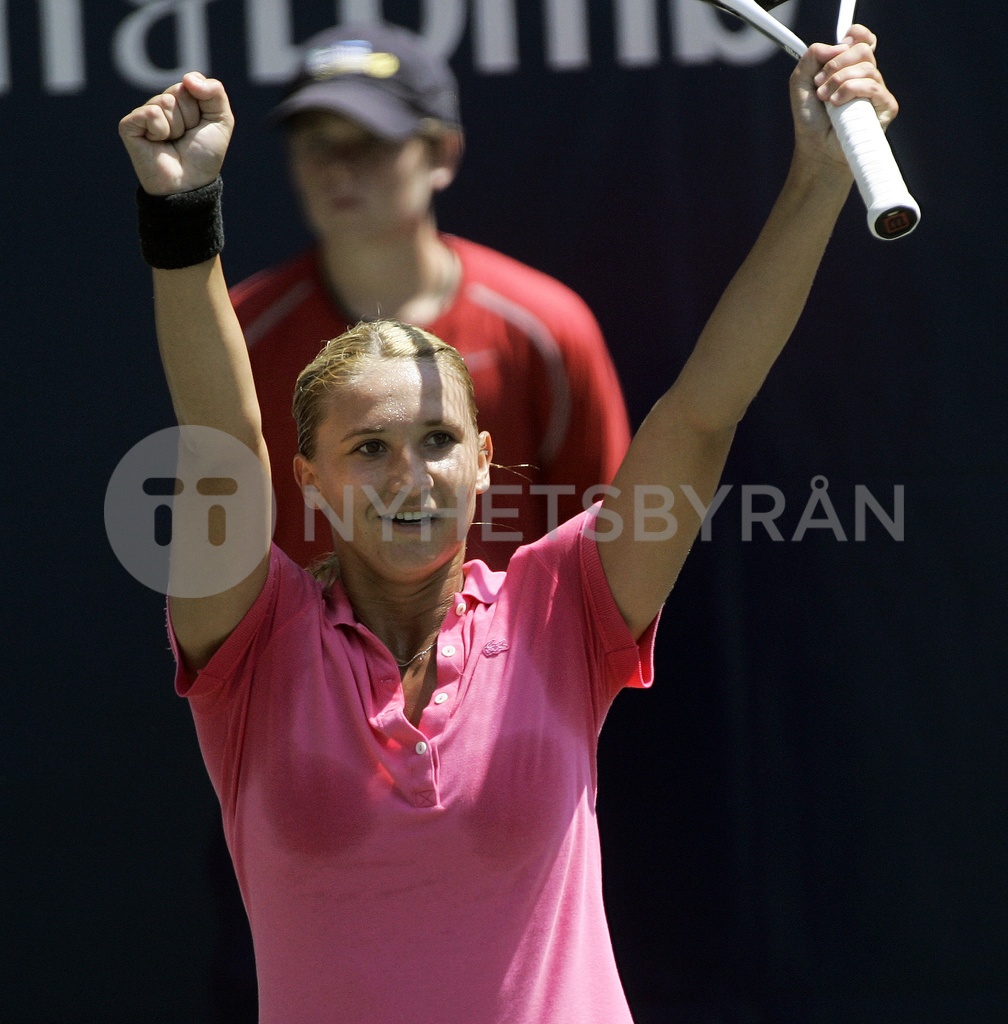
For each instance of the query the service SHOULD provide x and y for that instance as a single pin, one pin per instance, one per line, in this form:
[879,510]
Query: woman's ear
[485,454]
[304,473]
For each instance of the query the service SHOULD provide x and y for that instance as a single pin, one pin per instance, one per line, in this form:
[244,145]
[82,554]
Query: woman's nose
[411,472]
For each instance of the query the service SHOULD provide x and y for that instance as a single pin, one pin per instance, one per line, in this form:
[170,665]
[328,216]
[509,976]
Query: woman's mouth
[411,517]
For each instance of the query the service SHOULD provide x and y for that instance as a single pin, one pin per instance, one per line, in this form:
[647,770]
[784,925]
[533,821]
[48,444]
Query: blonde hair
[341,359]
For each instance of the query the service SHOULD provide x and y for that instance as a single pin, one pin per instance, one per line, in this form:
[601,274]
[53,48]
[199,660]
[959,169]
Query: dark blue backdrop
[804,820]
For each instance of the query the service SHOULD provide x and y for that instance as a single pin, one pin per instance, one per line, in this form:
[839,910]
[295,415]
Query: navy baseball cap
[382,76]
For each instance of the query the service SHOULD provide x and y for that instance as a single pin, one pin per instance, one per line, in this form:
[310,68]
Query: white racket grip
[892,211]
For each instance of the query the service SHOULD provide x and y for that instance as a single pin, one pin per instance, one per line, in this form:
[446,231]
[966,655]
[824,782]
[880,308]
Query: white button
[441,698]
[448,650]
[460,608]
[421,747]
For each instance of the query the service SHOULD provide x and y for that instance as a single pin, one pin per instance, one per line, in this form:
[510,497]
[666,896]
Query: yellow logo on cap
[354,58]
[383,65]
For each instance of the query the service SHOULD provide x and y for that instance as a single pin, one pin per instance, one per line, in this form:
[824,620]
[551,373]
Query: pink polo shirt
[446,874]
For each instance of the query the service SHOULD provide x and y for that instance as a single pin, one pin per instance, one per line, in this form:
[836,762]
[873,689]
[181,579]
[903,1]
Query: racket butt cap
[894,222]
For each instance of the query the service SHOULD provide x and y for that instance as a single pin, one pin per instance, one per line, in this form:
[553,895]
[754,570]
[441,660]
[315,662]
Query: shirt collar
[480,583]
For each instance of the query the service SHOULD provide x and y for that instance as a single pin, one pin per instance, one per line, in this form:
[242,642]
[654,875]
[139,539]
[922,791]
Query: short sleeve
[627,662]
[210,684]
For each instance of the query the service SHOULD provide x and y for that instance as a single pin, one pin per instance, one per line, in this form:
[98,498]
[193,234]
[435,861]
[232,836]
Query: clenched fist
[177,140]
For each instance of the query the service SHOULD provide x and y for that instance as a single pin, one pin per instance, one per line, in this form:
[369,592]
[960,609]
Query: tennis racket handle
[892,211]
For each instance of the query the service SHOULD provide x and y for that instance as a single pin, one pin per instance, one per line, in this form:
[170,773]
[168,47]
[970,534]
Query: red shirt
[545,385]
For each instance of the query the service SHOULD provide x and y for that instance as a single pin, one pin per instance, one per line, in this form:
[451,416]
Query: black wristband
[183,229]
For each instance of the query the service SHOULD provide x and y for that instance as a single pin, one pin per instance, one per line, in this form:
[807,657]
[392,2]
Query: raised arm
[686,437]
[177,142]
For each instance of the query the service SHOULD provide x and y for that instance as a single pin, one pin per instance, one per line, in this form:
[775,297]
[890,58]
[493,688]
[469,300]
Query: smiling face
[398,458]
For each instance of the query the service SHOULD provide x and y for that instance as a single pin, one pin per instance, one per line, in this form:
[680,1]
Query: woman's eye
[370,448]
[441,439]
